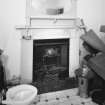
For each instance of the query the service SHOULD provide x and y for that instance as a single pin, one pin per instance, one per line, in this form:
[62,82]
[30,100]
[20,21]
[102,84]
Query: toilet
[22,94]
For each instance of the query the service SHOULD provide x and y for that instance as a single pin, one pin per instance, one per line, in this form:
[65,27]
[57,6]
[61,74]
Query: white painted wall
[92,11]
[12,13]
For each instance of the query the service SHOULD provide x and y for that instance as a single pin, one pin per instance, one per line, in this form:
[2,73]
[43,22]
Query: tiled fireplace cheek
[37,34]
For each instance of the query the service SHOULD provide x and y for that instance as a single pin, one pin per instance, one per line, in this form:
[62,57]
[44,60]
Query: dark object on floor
[55,84]
[98,96]
[97,85]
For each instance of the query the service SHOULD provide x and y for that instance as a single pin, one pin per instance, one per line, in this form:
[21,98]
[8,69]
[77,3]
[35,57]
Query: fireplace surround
[48,34]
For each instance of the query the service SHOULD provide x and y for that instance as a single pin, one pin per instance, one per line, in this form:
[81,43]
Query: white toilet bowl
[20,95]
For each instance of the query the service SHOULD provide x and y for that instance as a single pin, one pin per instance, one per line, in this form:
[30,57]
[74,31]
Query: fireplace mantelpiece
[42,32]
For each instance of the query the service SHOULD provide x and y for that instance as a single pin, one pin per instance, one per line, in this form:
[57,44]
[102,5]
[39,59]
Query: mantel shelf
[46,27]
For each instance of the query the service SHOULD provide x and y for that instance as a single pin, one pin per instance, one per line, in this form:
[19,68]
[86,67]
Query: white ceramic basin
[20,95]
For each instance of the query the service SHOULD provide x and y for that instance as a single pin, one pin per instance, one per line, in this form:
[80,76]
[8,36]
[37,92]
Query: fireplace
[49,42]
[51,65]
[50,56]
